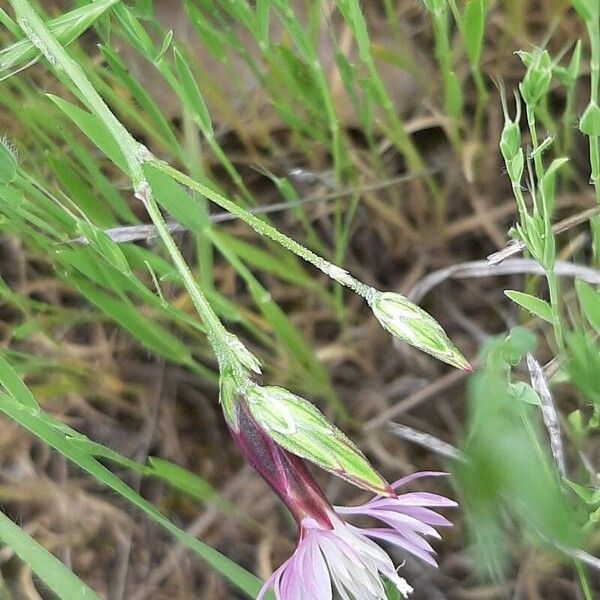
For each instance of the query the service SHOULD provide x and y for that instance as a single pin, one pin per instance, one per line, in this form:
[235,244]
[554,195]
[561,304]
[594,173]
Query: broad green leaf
[540,308]
[53,573]
[297,425]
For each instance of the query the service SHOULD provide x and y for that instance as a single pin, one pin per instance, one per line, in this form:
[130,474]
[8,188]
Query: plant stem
[537,157]
[583,580]
[263,228]
[555,304]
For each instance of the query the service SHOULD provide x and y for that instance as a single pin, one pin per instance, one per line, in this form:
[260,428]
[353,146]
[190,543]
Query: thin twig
[427,441]
[444,382]
[513,266]
[517,246]
[549,414]
[147,232]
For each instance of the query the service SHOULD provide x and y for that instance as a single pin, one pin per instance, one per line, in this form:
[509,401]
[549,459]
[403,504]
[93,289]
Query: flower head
[342,556]
[331,553]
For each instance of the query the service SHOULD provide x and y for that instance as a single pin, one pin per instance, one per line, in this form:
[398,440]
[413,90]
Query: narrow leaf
[540,308]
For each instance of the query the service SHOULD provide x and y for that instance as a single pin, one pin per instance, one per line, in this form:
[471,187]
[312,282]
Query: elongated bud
[286,474]
[410,323]
[299,427]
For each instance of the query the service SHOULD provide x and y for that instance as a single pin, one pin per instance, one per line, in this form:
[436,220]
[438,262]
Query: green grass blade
[54,574]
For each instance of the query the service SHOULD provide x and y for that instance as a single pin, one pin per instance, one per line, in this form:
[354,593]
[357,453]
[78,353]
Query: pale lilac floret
[342,559]
[408,517]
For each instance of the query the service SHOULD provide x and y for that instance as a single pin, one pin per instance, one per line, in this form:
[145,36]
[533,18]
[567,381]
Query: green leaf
[473,28]
[590,120]
[588,9]
[38,425]
[454,95]
[168,39]
[181,479]
[583,366]
[589,300]
[191,94]
[53,573]
[14,386]
[299,427]
[8,162]
[183,207]
[540,308]
[105,246]
[523,392]
[154,337]
[66,28]
[94,129]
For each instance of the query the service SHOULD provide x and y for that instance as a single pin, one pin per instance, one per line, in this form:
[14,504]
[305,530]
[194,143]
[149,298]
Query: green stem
[263,228]
[555,304]
[583,580]
[537,157]
[593,27]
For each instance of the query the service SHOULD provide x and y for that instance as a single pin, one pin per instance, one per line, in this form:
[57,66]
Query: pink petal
[426,515]
[391,536]
[400,522]
[418,475]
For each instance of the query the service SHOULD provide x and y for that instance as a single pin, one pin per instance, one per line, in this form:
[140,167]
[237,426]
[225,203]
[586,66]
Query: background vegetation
[403,141]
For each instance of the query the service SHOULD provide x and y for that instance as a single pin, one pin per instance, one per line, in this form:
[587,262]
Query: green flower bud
[536,82]
[515,166]
[413,325]
[510,140]
[299,427]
